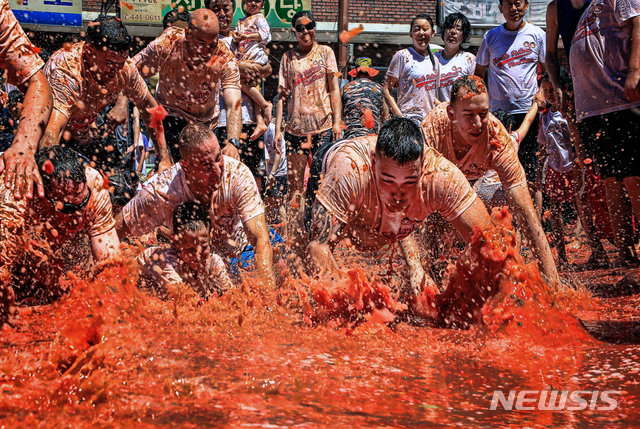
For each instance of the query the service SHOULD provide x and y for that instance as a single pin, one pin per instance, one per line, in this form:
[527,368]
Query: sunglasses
[68,208]
[301,27]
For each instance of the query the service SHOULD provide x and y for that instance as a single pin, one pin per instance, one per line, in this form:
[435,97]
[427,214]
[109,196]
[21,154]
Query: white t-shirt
[512,57]
[555,134]
[270,151]
[235,202]
[417,82]
[462,64]
[600,52]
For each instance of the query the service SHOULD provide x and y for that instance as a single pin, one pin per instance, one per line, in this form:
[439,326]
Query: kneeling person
[32,231]
[188,260]
[377,190]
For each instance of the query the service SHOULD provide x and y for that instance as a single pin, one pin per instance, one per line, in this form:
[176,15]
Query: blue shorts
[247,257]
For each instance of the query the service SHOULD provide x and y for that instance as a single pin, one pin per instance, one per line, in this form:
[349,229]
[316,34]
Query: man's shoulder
[534,29]
[67,61]
[497,136]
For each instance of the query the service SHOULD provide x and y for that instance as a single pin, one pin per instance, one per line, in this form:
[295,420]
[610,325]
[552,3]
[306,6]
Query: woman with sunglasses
[454,62]
[309,84]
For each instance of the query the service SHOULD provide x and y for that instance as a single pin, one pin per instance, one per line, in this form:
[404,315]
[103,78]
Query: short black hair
[566,81]
[174,15]
[45,55]
[299,15]
[109,32]
[400,139]
[421,16]
[451,20]
[191,216]
[15,97]
[67,165]
[506,118]
[473,84]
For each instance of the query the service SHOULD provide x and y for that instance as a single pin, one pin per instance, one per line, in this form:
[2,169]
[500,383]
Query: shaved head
[203,20]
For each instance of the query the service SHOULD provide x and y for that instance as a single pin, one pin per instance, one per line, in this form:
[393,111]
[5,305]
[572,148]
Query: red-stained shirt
[189,94]
[17,55]
[497,153]
[79,97]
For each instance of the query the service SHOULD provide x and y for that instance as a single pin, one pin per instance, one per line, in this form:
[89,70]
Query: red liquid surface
[318,354]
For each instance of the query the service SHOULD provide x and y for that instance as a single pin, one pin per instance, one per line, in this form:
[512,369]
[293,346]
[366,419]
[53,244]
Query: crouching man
[75,201]
[376,190]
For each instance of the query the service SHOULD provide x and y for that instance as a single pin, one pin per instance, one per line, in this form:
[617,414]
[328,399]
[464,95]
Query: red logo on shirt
[311,75]
[428,81]
[516,57]
[200,96]
[583,29]
[447,79]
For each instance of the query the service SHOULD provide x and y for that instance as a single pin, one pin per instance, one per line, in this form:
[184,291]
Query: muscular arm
[418,279]
[232,105]
[553,65]
[19,159]
[105,245]
[336,105]
[480,71]
[325,232]
[389,84]
[256,230]
[55,128]
[475,215]
[520,201]
[161,144]
[632,84]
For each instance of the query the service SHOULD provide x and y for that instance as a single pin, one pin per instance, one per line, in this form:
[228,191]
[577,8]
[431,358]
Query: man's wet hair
[191,216]
[173,16]
[421,16]
[67,165]
[473,84]
[566,81]
[400,139]
[450,22]
[506,118]
[193,137]
[109,32]
[300,14]
[15,97]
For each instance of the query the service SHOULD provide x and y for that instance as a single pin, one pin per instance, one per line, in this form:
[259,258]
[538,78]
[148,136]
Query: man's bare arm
[233,106]
[55,128]
[258,235]
[389,84]
[158,139]
[19,160]
[418,279]
[105,245]
[520,201]
[325,232]
[480,71]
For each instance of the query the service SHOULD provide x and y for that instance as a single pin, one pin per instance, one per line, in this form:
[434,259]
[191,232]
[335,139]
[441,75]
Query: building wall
[375,11]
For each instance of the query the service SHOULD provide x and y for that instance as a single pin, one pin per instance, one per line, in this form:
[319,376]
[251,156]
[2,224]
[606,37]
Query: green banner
[277,12]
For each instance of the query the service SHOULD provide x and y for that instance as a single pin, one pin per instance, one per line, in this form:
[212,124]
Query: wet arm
[55,128]
[389,84]
[336,106]
[520,201]
[105,245]
[632,84]
[159,139]
[256,230]
[325,233]
[418,279]
[475,216]
[280,106]
[233,106]
[19,160]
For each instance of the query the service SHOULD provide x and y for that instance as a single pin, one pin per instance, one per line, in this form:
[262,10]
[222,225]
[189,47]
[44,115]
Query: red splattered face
[469,116]
[305,37]
[398,184]
[421,34]
[104,64]
[204,167]
[192,247]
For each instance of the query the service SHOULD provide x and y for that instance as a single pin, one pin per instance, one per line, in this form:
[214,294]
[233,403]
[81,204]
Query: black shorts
[527,154]
[294,143]
[614,139]
[173,126]
[280,188]
[251,154]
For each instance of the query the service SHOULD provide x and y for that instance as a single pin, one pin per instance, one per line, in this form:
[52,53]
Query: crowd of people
[447,138]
